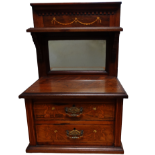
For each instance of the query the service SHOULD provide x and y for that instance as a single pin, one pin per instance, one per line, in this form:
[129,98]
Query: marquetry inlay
[76,20]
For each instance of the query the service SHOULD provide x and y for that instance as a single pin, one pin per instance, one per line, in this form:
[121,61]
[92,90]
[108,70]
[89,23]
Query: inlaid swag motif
[76,20]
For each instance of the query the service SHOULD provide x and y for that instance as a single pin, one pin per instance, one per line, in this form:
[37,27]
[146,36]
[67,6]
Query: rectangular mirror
[77,55]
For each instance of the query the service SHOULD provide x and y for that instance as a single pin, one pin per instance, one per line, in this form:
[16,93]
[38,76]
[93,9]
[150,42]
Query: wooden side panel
[117,17]
[38,20]
[41,45]
[118,122]
[30,121]
[89,135]
[113,60]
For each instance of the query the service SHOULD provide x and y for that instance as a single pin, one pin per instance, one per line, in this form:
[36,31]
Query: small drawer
[64,112]
[75,134]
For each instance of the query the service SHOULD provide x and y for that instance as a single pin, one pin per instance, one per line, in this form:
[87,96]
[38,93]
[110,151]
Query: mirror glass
[77,54]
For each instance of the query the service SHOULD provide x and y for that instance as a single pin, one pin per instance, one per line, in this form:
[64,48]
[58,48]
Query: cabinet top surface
[92,85]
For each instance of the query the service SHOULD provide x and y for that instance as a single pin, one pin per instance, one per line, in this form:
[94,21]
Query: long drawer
[75,134]
[77,111]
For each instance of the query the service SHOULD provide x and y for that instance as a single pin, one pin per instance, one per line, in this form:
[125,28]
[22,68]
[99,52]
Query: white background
[18,70]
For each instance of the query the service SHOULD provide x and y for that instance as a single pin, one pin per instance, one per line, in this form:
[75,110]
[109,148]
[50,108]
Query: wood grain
[107,12]
[99,93]
[118,121]
[85,11]
[30,121]
[48,111]
[72,84]
[93,135]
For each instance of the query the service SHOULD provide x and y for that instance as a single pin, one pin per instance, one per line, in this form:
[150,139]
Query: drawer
[75,134]
[79,111]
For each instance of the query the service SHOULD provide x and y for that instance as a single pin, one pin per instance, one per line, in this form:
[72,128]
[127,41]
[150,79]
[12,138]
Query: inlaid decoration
[76,20]
[77,133]
[84,112]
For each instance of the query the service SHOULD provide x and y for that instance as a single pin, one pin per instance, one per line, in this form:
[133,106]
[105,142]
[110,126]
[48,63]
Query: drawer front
[50,111]
[75,134]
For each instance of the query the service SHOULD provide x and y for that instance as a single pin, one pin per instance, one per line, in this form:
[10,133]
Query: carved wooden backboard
[76,14]
[62,21]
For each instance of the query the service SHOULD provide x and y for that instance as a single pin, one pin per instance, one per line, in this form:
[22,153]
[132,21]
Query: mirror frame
[80,36]
[41,42]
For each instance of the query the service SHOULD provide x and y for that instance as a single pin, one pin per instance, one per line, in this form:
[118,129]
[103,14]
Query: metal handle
[74,134]
[74,111]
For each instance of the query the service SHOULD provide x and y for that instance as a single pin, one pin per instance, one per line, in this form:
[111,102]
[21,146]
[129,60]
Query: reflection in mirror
[77,54]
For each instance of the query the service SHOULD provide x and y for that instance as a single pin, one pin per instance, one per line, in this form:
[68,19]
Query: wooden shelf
[76,29]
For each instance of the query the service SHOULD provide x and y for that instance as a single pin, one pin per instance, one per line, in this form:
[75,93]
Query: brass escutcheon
[74,111]
[55,131]
[53,108]
[94,108]
[95,131]
[74,134]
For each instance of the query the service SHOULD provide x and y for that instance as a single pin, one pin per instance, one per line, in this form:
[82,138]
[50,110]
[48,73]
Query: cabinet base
[74,149]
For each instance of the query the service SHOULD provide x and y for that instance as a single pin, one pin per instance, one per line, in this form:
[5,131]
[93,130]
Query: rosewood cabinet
[76,104]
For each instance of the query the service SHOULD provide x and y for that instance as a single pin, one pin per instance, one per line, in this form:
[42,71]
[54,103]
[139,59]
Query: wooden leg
[118,122]
[30,121]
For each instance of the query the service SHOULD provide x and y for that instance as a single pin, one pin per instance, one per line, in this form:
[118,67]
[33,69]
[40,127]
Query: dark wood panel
[30,121]
[37,20]
[78,134]
[74,112]
[118,121]
[85,10]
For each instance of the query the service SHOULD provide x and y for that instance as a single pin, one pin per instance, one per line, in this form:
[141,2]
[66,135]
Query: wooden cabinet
[76,104]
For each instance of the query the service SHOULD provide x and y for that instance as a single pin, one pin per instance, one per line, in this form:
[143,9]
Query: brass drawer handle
[74,134]
[73,111]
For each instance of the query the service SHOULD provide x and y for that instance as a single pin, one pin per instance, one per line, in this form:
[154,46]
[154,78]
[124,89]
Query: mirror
[77,54]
